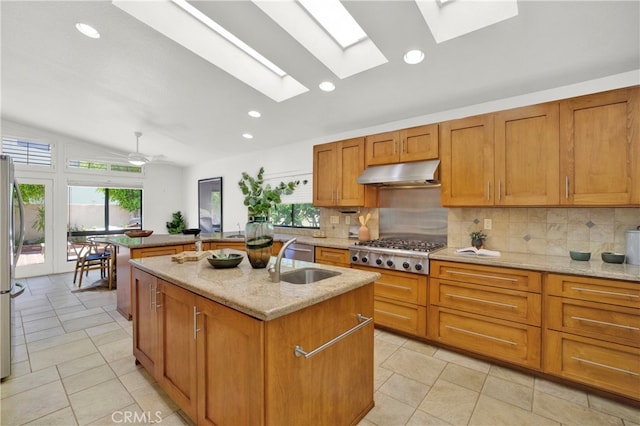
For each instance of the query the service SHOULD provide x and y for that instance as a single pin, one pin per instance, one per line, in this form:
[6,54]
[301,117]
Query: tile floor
[73,366]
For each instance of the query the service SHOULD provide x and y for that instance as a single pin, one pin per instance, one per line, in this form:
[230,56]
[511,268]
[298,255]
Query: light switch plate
[487,224]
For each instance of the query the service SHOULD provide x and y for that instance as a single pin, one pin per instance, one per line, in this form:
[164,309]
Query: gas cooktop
[409,255]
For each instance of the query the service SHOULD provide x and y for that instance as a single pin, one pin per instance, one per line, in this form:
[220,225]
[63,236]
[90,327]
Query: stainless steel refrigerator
[11,239]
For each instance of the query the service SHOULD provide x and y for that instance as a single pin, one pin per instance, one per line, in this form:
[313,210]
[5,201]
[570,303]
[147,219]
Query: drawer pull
[586,361]
[462,330]
[611,293]
[628,327]
[481,276]
[490,302]
[298,351]
[393,315]
[399,287]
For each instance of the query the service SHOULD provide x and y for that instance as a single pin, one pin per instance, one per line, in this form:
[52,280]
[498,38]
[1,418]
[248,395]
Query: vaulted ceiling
[135,79]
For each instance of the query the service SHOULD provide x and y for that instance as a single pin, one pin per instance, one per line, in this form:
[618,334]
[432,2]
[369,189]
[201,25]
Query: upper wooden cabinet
[509,158]
[600,149]
[414,144]
[336,167]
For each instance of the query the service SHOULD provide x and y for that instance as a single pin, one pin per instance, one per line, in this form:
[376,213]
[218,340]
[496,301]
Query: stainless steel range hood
[419,173]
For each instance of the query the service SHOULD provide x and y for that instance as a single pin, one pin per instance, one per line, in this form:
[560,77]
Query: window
[77,164]
[299,215]
[102,211]
[93,165]
[27,152]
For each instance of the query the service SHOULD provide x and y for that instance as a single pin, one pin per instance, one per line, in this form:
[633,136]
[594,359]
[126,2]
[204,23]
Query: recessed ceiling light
[254,114]
[414,56]
[247,135]
[87,30]
[327,86]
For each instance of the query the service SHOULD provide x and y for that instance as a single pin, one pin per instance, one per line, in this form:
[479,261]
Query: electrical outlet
[347,220]
[335,220]
[487,224]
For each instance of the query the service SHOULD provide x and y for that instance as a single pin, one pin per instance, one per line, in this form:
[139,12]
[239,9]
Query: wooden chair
[92,257]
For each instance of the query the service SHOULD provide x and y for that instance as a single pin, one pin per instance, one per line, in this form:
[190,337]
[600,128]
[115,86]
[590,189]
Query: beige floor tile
[450,402]
[175,419]
[131,414]
[561,391]
[64,301]
[490,411]
[382,350]
[110,337]
[70,309]
[389,411]
[414,365]
[62,353]
[45,307]
[59,418]
[115,350]
[462,360]
[509,392]
[380,375]
[124,365]
[395,339]
[420,347]
[100,400]
[19,369]
[136,379]
[18,340]
[53,341]
[618,409]
[25,382]
[569,413]
[19,353]
[512,375]
[463,376]
[33,404]
[87,322]
[78,365]
[41,324]
[153,399]
[405,390]
[102,329]
[44,334]
[88,378]
[49,313]
[420,418]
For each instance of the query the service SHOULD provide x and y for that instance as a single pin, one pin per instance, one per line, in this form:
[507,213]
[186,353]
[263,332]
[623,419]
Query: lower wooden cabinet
[332,256]
[144,289]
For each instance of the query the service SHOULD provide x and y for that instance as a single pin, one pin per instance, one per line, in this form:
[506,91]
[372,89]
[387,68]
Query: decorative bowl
[136,233]
[227,261]
[191,231]
[580,255]
[610,257]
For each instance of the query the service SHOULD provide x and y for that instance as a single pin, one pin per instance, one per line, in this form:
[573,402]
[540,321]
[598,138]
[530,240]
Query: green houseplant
[177,224]
[260,198]
[477,238]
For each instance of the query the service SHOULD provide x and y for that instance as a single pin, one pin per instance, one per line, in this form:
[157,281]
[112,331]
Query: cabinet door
[155,251]
[419,143]
[143,303]
[324,175]
[526,156]
[350,163]
[600,149]
[382,148]
[230,350]
[332,256]
[177,346]
[467,161]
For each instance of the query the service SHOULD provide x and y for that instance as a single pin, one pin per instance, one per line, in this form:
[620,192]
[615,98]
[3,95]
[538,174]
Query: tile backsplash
[550,231]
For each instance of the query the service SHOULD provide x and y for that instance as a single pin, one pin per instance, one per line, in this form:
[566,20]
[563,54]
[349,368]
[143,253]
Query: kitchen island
[231,347]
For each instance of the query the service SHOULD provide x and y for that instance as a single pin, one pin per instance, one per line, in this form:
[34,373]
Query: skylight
[186,25]
[335,19]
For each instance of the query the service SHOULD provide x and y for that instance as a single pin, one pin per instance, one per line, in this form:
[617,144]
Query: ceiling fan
[137,158]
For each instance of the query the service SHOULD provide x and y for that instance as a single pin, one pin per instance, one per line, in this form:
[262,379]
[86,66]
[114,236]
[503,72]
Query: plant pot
[259,241]
[477,243]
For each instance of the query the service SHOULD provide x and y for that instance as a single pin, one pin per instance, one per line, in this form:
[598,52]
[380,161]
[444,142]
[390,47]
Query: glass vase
[259,241]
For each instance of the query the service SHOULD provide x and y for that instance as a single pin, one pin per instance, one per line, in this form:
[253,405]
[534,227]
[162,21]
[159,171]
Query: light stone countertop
[249,290]
[558,264]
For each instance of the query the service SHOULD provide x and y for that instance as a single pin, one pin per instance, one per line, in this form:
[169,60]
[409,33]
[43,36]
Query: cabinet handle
[462,330]
[395,147]
[337,195]
[332,191]
[481,275]
[403,146]
[299,249]
[490,302]
[488,190]
[195,322]
[298,351]
[152,297]
[597,364]
[611,293]
[156,301]
[628,327]
[390,314]
[397,287]
[566,187]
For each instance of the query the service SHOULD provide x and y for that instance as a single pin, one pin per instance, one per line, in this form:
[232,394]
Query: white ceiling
[135,79]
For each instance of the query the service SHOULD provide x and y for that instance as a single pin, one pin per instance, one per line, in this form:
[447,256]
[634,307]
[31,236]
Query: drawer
[504,340]
[495,302]
[192,246]
[597,320]
[155,251]
[332,256]
[615,292]
[400,286]
[604,365]
[514,279]
[400,316]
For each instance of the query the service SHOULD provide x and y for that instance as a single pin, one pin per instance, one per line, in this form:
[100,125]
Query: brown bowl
[137,233]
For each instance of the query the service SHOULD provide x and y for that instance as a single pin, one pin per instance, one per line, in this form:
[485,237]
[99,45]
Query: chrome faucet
[274,268]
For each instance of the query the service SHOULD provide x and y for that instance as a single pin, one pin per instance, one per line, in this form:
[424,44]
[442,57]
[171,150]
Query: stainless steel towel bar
[299,351]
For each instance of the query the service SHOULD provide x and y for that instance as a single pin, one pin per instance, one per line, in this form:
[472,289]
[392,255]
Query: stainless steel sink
[306,275]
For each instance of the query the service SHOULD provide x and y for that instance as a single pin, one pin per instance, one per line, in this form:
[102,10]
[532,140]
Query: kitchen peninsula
[231,347]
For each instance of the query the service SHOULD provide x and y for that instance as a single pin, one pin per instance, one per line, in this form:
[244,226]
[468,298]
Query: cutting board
[190,256]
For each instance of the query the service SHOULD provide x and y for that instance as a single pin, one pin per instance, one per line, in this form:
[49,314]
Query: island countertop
[249,290]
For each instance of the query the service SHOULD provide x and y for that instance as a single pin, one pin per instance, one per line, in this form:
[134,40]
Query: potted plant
[477,238]
[260,198]
[177,224]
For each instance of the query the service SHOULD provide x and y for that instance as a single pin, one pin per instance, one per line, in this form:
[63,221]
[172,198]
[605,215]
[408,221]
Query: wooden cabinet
[336,167]
[144,288]
[600,149]
[400,301]
[592,332]
[488,310]
[332,256]
[509,158]
[413,144]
